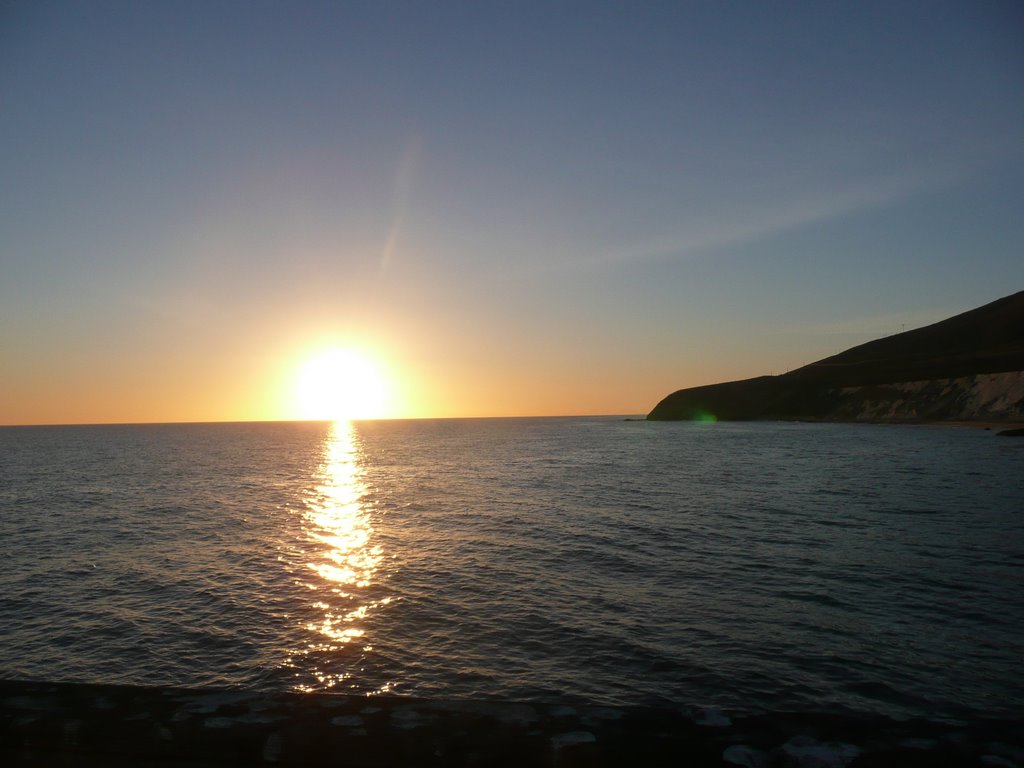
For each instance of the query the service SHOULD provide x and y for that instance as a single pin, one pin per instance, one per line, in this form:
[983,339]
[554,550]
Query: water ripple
[744,566]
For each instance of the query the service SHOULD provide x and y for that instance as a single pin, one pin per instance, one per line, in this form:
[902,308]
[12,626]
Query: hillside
[967,367]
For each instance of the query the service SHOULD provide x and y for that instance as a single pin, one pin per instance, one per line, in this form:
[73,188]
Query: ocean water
[745,566]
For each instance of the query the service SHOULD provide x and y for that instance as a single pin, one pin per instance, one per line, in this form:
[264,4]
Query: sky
[509,209]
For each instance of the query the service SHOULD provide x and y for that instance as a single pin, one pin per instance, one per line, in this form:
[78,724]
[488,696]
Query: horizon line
[317,421]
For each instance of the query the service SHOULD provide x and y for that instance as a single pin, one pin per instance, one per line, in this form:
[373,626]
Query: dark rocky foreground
[99,725]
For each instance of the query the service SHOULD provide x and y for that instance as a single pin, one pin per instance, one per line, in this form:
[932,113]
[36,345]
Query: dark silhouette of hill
[989,339]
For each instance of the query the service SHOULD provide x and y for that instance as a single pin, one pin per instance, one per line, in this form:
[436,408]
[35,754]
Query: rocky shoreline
[44,724]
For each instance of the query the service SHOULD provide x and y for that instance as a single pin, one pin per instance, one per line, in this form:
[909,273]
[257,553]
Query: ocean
[745,566]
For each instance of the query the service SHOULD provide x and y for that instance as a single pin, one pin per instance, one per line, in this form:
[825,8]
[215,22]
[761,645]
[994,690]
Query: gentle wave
[748,566]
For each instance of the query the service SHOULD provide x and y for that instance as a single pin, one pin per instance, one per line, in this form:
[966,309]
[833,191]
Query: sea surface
[746,566]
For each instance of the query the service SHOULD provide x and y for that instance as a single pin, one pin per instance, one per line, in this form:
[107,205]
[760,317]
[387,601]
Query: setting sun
[341,384]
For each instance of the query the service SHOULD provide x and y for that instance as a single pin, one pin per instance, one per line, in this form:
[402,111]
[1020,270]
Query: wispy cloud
[405,177]
[767,217]
[790,206]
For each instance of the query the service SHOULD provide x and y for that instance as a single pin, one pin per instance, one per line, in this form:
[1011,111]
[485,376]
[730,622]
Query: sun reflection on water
[345,557]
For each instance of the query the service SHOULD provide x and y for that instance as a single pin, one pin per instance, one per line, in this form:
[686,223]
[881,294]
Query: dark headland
[966,368]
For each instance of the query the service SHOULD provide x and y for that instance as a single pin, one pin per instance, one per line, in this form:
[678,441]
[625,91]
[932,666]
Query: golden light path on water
[346,557]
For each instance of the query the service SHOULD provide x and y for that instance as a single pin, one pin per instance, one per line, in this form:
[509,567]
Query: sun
[339,384]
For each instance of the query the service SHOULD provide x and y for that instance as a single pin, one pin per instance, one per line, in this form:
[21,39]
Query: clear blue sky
[518,207]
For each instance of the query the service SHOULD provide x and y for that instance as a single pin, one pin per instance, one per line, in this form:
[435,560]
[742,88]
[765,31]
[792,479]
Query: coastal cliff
[967,368]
